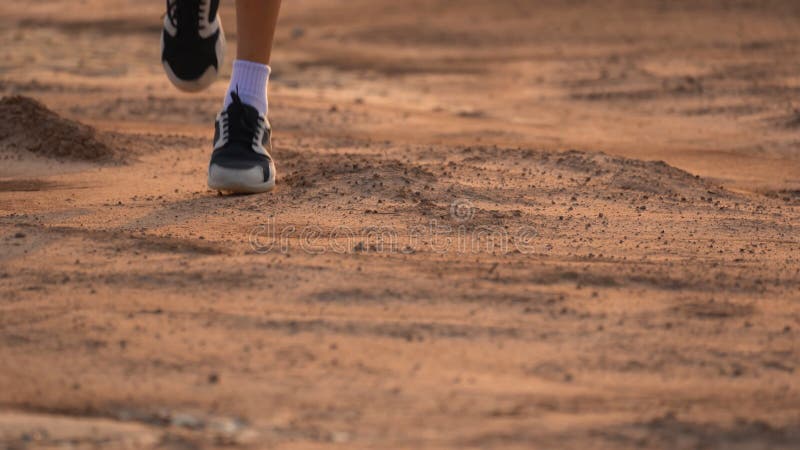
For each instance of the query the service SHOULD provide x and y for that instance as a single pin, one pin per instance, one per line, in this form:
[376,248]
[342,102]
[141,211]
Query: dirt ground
[497,224]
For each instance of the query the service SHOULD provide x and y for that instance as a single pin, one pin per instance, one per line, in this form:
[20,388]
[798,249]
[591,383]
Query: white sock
[249,80]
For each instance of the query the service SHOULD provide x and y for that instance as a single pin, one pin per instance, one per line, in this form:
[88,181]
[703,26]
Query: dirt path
[471,245]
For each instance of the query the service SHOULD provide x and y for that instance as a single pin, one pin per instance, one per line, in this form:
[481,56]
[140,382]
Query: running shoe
[241,162]
[192,43]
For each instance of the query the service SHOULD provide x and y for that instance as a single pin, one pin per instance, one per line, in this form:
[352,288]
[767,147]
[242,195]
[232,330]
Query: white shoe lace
[175,7]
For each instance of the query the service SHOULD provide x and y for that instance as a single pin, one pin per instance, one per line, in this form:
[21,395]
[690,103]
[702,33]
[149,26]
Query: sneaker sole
[249,181]
[209,76]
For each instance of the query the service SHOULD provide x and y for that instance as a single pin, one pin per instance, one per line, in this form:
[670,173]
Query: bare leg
[256,21]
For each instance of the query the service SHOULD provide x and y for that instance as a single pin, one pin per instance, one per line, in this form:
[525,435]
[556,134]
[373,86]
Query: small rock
[186,421]
[340,437]
[227,426]
[298,32]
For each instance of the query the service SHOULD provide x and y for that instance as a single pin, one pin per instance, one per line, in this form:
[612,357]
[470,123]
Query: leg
[241,160]
[256,21]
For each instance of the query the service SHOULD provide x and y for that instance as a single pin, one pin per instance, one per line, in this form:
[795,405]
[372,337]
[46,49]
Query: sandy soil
[506,224]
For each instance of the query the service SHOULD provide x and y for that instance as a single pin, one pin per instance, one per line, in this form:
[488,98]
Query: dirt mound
[619,173]
[358,174]
[28,125]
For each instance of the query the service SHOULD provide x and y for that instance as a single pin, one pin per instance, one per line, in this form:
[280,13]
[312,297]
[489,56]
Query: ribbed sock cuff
[249,80]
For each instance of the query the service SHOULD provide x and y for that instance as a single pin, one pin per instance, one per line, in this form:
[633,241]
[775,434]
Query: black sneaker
[192,43]
[242,141]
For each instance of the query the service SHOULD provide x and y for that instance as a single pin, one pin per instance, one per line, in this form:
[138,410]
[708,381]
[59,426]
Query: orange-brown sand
[505,224]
